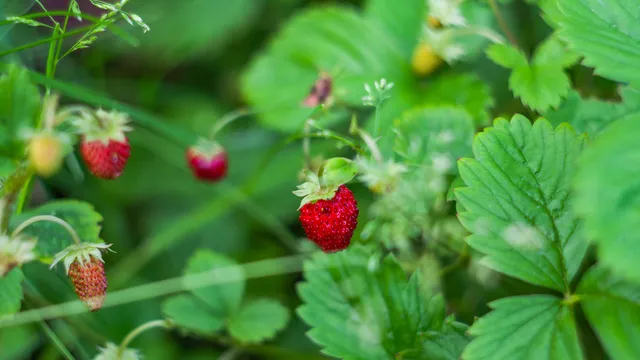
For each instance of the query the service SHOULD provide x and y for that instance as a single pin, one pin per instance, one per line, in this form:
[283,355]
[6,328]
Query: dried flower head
[15,252]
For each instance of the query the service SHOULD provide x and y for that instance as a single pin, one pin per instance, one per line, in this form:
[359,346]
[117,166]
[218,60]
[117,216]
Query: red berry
[105,160]
[330,223]
[208,167]
[89,281]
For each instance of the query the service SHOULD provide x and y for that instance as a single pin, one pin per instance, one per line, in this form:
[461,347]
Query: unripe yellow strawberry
[433,22]
[425,60]
[46,154]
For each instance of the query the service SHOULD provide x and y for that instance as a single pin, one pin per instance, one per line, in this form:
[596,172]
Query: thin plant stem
[49,218]
[230,354]
[56,340]
[46,11]
[43,41]
[376,122]
[137,331]
[502,22]
[306,145]
[228,119]
[222,275]
[61,41]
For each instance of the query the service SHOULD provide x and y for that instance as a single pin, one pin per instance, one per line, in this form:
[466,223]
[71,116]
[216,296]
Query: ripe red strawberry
[208,161]
[104,146]
[330,223]
[105,160]
[85,267]
[90,282]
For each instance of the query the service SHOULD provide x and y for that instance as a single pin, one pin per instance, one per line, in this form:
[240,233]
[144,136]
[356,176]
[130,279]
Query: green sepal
[337,171]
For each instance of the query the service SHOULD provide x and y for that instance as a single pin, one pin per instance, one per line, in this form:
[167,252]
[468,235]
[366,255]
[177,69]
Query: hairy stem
[502,22]
[52,219]
[139,330]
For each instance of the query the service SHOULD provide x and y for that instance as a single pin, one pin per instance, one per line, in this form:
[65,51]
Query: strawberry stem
[49,218]
[228,119]
[139,330]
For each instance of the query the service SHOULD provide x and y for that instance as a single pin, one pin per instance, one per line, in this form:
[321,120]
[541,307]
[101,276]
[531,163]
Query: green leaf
[52,237]
[542,83]
[447,343]
[362,308]
[19,108]
[506,56]
[403,23]
[516,201]
[225,298]
[591,115]
[525,327]
[606,33]
[608,195]
[462,90]
[337,171]
[258,321]
[332,39]
[612,306]
[205,310]
[11,292]
[436,136]
[188,312]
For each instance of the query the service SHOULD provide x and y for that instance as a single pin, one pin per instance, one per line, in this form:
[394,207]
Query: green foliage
[52,237]
[208,310]
[541,83]
[462,90]
[515,202]
[11,292]
[608,197]
[402,23]
[337,171]
[362,307]
[592,115]
[19,107]
[332,39]
[612,306]
[525,327]
[607,34]
[434,136]
[446,343]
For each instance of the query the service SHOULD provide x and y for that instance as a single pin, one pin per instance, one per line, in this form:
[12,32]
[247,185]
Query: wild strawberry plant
[463,177]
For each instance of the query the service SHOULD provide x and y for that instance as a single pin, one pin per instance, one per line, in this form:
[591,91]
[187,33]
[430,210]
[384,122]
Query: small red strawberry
[85,267]
[329,211]
[208,161]
[104,145]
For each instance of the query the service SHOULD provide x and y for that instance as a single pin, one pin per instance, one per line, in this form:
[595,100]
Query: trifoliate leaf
[11,292]
[352,49]
[607,34]
[435,136]
[362,308]
[205,310]
[542,83]
[19,108]
[516,201]
[537,327]
[608,196]
[258,320]
[462,90]
[612,306]
[402,23]
[52,237]
[188,312]
[591,115]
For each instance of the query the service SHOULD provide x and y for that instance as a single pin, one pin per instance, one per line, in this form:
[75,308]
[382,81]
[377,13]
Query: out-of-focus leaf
[525,327]
[360,307]
[608,196]
[436,136]
[402,23]
[463,90]
[612,306]
[17,342]
[11,292]
[19,107]
[52,237]
[516,201]
[591,115]
[331,39]
[446,343]
[258,320]
[188,312]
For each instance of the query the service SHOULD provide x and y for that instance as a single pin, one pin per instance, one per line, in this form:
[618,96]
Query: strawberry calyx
[332,174]
[312,190]
[101,125]
[207,149]
[81,253]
